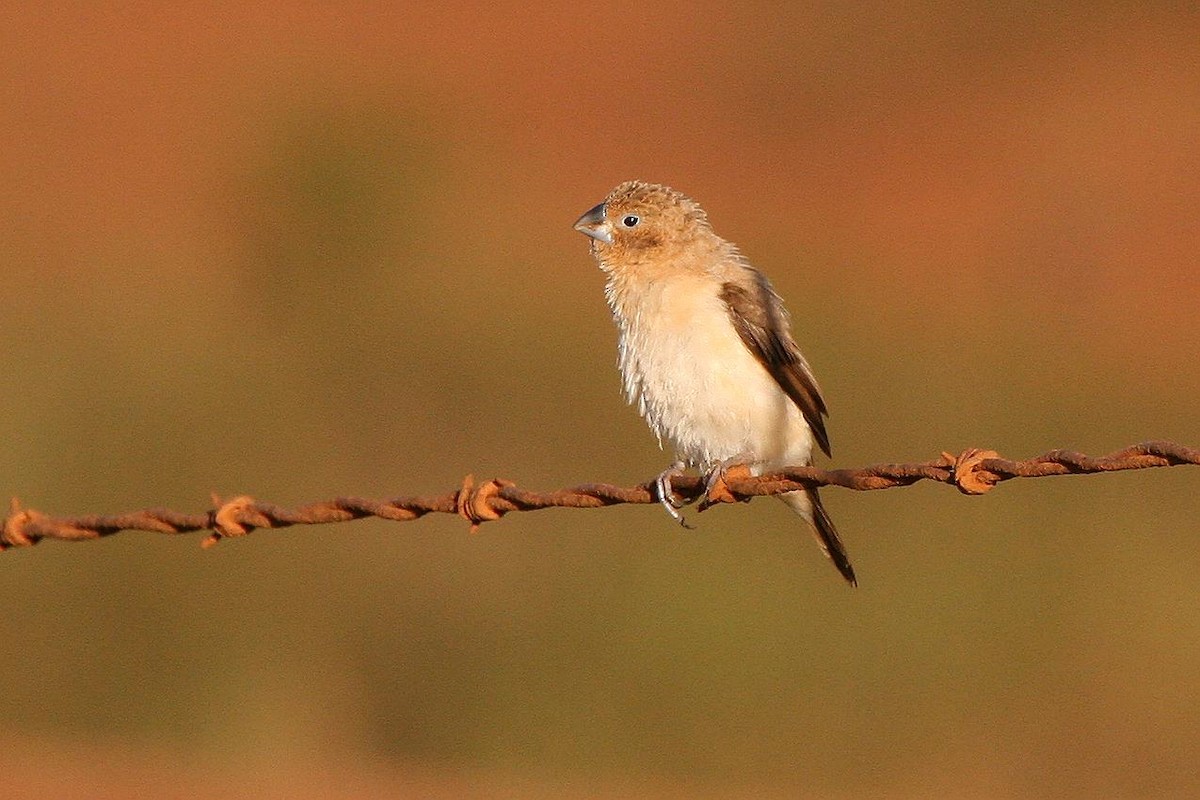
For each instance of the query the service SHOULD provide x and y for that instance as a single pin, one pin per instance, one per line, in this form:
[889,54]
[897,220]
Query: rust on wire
[973,472]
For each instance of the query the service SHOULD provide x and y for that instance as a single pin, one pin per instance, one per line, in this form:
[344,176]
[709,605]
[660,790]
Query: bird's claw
[716,487]
[666,495]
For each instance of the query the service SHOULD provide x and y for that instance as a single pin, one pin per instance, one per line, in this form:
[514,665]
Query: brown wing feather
[758,315]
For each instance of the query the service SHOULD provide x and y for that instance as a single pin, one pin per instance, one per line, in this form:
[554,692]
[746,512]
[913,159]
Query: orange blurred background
[298,252]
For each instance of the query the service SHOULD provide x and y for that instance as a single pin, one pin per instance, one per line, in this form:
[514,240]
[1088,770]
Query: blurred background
[300,251]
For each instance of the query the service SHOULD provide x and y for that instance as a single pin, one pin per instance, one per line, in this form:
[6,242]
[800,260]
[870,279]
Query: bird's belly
[702,391]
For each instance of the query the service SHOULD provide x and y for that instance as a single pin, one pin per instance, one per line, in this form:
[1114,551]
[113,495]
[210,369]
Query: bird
[705,349]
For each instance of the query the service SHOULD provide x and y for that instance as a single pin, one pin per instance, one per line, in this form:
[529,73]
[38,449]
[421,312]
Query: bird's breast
[694,380]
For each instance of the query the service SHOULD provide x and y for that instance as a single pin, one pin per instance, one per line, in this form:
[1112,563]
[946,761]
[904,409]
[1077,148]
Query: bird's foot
[666,495]
[716,490]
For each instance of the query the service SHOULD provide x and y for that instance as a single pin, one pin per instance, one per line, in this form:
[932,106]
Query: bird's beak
[594,225]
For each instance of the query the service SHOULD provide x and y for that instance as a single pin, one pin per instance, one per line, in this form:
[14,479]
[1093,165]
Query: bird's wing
[758,316]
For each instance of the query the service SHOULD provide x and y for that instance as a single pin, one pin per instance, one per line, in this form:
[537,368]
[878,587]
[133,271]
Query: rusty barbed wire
[972,472]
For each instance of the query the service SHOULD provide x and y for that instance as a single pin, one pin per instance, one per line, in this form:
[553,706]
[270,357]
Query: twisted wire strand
[973,472]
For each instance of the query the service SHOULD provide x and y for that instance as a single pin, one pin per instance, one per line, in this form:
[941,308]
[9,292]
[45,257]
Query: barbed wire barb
[973,472]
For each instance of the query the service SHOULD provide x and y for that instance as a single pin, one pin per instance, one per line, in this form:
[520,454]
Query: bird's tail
[807,503]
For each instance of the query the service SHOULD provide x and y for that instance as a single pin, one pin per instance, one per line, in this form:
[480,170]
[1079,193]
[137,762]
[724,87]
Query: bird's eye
[630,221]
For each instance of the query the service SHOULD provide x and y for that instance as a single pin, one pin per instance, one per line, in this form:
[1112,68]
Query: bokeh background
[306,250]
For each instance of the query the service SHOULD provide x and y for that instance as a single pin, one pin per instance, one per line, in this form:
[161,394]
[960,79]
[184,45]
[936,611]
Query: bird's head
[642,220]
